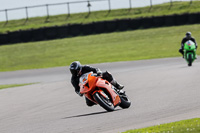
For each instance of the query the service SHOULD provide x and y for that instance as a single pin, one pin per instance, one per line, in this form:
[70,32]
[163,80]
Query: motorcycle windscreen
[189,45]
[87,82]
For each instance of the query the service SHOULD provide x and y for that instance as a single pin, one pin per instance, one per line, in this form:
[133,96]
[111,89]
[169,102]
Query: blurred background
[20,9]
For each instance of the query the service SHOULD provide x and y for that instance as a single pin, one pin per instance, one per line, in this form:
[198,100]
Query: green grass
[112,47]
[157,10]
[185,126]
[12,85]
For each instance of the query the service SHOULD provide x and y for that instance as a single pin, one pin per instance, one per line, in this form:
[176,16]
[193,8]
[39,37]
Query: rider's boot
[183,55]
[181,51]
[116,84]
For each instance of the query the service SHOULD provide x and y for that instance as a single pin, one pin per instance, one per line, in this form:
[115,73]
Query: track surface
[161,91]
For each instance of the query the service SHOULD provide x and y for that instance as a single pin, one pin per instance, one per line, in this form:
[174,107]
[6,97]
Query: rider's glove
[79,94]
[99,73]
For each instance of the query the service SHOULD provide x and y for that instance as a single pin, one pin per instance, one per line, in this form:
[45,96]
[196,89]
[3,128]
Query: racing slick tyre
[125,102]
[189,60]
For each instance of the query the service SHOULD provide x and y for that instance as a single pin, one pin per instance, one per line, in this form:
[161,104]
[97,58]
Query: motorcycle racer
[77,70]
[188,36]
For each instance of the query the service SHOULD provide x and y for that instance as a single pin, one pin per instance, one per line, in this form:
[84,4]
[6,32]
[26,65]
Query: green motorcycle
[189,52]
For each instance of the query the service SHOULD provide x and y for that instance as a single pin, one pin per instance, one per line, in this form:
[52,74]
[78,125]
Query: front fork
[186,55]
[119,92]
[102,93]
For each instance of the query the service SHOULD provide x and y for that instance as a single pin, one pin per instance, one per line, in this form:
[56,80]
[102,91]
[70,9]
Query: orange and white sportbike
[101,92]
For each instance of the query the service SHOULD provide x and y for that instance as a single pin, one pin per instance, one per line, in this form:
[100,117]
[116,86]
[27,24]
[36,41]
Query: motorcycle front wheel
[189,60]
[104,102]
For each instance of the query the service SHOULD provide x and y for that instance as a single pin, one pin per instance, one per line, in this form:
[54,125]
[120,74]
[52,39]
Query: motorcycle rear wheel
[125,102]
[103,102]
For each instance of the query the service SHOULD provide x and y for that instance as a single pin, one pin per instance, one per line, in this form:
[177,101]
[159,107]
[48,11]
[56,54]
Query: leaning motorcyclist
[188,36]
[77,70]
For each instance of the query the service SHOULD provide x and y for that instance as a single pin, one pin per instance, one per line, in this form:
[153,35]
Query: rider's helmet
[75,68]
[188,35]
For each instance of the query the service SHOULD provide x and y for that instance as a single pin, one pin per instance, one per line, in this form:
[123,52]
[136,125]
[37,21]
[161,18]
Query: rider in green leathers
[188,36]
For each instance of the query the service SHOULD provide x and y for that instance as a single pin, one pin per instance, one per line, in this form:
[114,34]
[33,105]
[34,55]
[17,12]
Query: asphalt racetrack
[161,91]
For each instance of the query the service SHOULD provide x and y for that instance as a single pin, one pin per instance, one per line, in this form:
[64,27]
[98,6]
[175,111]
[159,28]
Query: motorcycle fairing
[101,83]
[189,48]
[90,83]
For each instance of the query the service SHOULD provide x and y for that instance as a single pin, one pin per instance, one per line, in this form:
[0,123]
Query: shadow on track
[89,114]
[184,67]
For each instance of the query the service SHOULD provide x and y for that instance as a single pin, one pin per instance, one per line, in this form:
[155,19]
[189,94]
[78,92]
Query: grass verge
[185,126]
[12,85]
[112,47]
[156,10]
